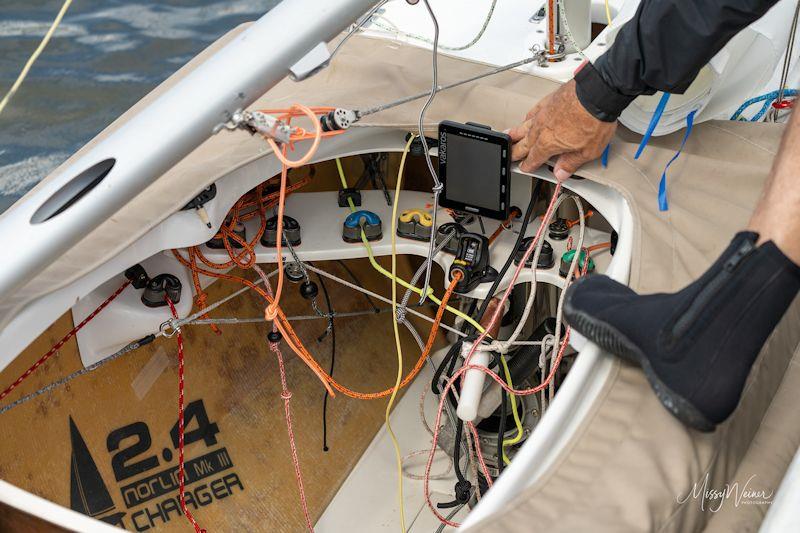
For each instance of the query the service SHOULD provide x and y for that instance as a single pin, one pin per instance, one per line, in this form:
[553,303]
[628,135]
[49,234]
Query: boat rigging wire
[78,373]
[537,56]
[437,185]
[36,53]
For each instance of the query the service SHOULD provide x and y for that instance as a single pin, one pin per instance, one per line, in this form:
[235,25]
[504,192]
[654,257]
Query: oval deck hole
[74,190]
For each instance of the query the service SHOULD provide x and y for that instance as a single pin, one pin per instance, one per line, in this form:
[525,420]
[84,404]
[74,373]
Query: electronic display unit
[474,167]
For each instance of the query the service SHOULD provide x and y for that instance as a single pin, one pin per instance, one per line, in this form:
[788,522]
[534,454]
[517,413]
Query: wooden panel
[236,377]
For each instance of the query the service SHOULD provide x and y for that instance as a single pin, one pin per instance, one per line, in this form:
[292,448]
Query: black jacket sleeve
[662,48]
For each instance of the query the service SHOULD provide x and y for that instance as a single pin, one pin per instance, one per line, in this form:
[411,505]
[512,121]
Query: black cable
[452,356]
[526,219]
[332,329]
[357,282]
[457,450]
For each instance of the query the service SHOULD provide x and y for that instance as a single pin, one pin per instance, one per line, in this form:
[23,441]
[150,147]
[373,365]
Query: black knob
[274,336]
[559,230]
[309,290]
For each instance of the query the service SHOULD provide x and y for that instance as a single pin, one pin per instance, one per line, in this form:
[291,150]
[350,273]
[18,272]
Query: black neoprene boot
[696,346]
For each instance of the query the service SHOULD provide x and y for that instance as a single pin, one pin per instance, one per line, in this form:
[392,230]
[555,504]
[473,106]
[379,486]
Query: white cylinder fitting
[472,385]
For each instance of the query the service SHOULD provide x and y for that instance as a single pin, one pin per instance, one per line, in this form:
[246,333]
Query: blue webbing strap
[604,157]
[653,123]
[663,205]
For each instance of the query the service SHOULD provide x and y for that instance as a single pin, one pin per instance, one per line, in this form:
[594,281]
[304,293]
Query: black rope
[457,450]
[523,228]
[332,329]
[451,358]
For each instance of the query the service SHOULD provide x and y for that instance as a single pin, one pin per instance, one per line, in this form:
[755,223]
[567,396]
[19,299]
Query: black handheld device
[472,261]
[474,167]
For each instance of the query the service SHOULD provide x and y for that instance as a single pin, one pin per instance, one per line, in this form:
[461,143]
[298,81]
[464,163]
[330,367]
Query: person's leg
[697,346]
[777,216]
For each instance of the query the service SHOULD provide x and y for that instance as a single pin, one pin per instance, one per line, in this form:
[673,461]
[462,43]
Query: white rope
[379,297]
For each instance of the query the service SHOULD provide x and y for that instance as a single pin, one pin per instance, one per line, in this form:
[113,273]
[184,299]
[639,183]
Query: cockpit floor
[102,445]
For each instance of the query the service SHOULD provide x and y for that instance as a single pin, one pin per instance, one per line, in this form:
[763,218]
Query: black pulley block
[160,288]
[291,231]
[558,230]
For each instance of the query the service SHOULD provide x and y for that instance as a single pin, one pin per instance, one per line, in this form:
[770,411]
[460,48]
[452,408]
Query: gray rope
[470,44]
[66,379]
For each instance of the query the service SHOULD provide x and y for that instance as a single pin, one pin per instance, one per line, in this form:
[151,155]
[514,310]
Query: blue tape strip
[663,205]
[662,104]
[604,157]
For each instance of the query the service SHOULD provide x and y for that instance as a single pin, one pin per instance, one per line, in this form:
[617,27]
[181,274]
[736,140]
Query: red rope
[286,395]
[181,468]
[57,346]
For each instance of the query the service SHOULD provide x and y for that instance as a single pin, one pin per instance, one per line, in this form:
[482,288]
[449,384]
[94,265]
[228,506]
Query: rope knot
[270,313]
[401,313]
[286,395]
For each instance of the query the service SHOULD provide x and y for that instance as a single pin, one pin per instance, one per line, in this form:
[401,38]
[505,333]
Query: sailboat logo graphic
[88,493]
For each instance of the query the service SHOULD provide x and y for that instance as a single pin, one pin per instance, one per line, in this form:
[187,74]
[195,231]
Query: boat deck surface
[70,445]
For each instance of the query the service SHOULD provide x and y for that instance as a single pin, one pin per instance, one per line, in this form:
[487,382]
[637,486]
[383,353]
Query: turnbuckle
[257,122]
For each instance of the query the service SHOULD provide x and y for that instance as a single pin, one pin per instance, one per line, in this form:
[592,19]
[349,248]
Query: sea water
[104,57]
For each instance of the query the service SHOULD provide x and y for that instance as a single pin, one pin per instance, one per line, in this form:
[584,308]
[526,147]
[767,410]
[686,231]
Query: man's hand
[559,126]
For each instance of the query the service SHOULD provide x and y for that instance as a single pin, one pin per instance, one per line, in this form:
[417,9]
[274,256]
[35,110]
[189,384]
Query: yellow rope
[34,56]
[400,281]
[396,327]
[608,14]
[517,421]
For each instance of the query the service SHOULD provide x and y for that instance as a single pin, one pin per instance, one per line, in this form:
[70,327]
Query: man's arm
[662,48]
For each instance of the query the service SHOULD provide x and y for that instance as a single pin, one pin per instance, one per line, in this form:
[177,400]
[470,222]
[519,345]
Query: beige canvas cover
[632,462]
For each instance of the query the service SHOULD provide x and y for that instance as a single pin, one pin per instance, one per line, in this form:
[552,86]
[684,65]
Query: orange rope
[589,214]
[294,342]
[245,257]
[515,213]
[599,246]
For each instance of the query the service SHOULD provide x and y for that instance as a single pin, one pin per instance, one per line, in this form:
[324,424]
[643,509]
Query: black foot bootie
[696,346]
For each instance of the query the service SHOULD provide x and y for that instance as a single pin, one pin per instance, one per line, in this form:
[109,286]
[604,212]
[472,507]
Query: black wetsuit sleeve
[662,48]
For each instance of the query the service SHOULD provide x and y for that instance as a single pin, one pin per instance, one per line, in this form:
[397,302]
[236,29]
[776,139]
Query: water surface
[104,57]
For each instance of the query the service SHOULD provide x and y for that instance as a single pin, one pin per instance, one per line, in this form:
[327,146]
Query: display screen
[473,172]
